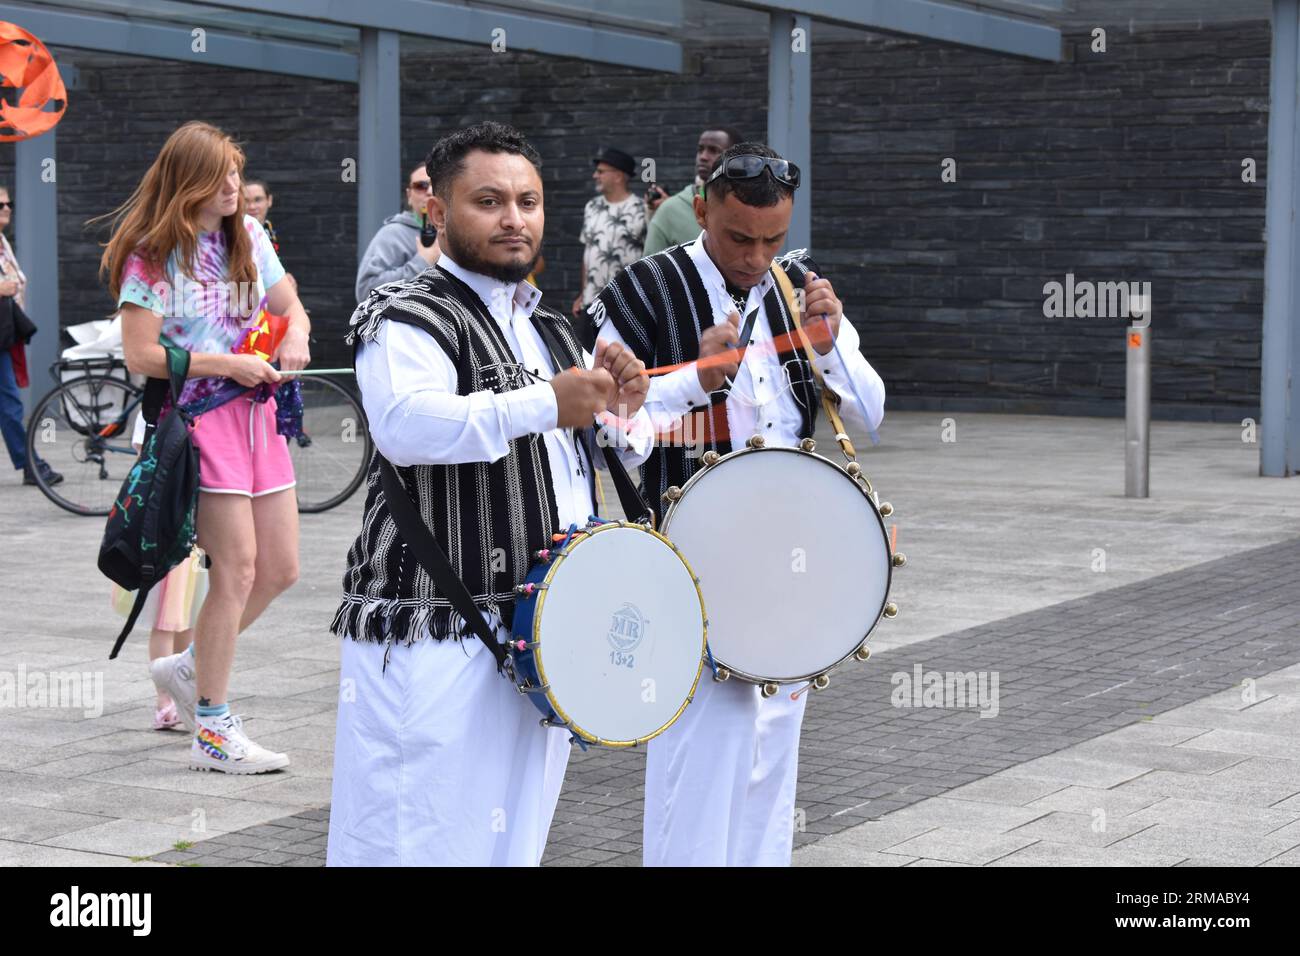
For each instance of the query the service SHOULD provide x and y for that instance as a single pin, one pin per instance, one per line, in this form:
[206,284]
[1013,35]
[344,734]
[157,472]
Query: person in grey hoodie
[395,251]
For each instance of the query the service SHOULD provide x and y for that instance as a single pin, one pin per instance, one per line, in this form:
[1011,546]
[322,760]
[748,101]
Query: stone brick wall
[1122,166]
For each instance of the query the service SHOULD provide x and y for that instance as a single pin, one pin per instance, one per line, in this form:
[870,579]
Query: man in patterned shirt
[613,233]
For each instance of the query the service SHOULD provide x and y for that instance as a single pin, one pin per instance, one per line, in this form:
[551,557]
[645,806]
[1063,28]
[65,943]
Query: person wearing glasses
[720,783]
[396,252]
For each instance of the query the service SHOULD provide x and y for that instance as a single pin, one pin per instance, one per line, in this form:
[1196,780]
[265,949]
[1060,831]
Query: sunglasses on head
[749,166]
[419,185]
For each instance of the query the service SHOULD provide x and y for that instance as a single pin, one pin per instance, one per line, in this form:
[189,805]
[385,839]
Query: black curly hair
[446,160]
[766,190]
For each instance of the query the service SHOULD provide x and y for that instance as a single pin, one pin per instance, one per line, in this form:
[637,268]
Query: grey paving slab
[1209,846]
[1045,853]
[1157,648]
[1244,821]
[21,823]
[14,853]
[1116,802]
[129,838]
[953,845]
[1077,829]
[819,854]
[1221,788]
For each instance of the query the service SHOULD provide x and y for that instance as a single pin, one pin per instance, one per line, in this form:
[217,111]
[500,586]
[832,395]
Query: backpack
[151,527]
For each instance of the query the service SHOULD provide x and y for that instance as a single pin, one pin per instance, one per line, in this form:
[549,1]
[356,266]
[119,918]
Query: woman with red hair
[184,260]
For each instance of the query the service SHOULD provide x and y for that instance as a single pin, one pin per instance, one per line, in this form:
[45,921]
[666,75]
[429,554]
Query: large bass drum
[793,560]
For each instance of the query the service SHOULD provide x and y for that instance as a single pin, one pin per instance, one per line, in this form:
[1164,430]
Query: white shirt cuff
[679,392]
[532,409]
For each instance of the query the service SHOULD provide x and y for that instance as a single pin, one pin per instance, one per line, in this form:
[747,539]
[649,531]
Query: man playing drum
[438,759]
[720,783]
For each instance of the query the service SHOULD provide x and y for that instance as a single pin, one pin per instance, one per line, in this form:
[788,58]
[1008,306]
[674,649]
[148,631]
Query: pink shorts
[240,452]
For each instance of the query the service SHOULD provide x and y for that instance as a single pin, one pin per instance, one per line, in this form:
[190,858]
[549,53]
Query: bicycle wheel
[82,429]
[331,456]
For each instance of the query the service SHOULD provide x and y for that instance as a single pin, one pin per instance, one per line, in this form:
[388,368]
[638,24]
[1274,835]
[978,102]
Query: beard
[467,257]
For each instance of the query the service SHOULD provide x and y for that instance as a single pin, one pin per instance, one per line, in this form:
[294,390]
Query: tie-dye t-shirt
[199,310]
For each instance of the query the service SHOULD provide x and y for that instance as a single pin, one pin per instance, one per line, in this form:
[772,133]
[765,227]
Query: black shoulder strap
[137,606]
[628,495]
[156,389]
[433,559]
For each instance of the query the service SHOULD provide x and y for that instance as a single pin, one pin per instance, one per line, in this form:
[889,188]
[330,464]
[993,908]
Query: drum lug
[821,681]
[673,493]
[722,674]
[886,509]
[891,609]
[769,689]
[863,653]
[527,590]
[756,441]
[710,457]
[899,559]
[854,469]
[808,445]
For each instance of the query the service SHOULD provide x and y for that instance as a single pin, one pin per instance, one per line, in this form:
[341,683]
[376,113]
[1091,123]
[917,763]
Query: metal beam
[930,20]
[36,241]
[789,112]
[452,21]
[114,34]
[1279,400]
[379,151]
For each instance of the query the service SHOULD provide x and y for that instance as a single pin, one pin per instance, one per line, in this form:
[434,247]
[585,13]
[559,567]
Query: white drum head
[792,559]
[621,632]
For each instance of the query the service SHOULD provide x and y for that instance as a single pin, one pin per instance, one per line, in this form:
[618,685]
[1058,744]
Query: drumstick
[318,371]
[786,342]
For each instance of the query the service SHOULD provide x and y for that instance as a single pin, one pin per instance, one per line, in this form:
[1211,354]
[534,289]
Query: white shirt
[408,388]
[760,402]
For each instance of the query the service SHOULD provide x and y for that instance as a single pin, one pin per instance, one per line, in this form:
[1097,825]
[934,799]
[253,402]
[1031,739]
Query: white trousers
[720,783]
[439,761]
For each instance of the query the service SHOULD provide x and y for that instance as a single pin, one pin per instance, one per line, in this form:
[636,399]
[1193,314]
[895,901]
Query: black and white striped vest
[660,307]
[489,517]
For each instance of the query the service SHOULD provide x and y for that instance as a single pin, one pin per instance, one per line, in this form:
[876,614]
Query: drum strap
[830,401]
[433,559]
[634,506]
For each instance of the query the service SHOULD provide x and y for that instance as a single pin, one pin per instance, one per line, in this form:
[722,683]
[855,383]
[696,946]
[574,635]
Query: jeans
[11,412]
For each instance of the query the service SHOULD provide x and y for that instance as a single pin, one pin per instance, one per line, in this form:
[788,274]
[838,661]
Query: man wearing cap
[613,232]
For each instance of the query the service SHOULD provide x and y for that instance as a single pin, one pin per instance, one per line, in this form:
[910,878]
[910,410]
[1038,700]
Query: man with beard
[438,759]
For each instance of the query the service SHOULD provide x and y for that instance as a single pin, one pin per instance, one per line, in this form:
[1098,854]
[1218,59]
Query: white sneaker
[174,676]
[221,744]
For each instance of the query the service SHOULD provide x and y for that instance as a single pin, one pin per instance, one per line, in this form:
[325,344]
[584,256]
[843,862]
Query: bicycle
[82,427]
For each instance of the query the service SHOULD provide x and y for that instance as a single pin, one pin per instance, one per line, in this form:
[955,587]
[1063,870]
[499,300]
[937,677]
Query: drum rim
[665,524]
[565,720]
